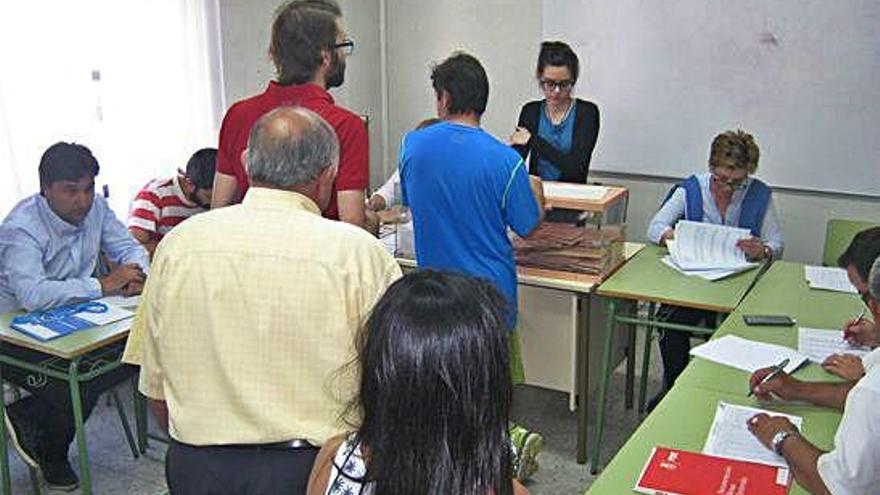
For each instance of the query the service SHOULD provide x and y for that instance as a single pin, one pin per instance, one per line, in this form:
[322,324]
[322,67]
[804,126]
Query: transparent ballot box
[584,232]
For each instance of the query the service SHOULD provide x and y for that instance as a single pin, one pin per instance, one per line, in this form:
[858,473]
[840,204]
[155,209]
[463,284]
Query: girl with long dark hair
[435,396]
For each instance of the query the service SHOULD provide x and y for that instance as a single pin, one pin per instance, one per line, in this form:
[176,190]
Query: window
[138,82]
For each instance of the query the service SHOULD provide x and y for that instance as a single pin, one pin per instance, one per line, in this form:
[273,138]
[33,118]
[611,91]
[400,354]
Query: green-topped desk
[782,290]
[682,420]
[97,349]
[646,279]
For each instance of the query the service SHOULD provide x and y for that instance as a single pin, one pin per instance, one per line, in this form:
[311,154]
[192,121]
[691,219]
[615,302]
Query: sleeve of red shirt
[354,155]
[230,146]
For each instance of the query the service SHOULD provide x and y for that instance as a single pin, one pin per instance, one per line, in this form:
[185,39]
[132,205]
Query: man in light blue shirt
[49,249]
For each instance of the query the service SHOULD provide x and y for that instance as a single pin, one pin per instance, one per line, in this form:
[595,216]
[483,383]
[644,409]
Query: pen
[846,333]
[773,374]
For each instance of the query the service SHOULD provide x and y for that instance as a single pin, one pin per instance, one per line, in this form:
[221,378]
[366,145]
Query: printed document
[819,343]
[730,436]
[829,278]
[748,355]
[704,246]
[574,191]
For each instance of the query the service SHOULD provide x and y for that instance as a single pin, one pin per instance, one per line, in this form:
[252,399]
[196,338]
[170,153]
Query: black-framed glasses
[347,46]
[551,85]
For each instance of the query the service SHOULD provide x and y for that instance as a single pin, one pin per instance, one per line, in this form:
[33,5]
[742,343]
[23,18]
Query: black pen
[773,374]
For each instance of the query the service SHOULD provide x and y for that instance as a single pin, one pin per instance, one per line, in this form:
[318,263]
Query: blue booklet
[56,322]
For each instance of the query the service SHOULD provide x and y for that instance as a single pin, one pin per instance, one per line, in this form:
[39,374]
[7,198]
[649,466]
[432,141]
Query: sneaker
[526,446]
[23,433]
[60,476]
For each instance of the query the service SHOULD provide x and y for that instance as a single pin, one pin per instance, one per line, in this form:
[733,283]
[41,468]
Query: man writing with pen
[852,467]
[861,330]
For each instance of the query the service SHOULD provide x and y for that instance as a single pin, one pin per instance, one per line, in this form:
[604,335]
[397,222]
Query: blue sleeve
[518,203]
[118,244]
[669,213]
[33,289]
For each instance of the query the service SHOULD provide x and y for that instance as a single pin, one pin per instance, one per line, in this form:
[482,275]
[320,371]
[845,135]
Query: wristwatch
[768,252]
[778,439]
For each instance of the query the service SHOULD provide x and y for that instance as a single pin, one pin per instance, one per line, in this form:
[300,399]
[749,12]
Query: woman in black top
[560,131]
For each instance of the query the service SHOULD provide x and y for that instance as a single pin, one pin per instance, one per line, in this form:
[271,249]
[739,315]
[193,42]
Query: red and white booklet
[679,472]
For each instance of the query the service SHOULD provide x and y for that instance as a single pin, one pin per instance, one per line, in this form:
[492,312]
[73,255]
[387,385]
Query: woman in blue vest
[725,195]
[559,131]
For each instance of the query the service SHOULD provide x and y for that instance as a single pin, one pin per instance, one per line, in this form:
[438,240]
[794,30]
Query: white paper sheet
[574,191]
[703,246]
[112,314]
[121,301]
[730,436]
[748,355]
[829,278]
[709,274]
[819,343]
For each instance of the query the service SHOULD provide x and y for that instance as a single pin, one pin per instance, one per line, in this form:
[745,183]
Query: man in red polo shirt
[308,48]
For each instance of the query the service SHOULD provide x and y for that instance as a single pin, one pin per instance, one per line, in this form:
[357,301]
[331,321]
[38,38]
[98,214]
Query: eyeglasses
[347,45]
[729,182]
[551,85]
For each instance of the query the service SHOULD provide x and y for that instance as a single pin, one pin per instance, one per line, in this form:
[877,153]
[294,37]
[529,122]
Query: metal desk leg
[76,402]
[140,415]
[583,374]
[630,364]
[646,358]
[6,488]
[603,386]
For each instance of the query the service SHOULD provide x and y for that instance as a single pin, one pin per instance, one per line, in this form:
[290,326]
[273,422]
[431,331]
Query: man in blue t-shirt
[464,186]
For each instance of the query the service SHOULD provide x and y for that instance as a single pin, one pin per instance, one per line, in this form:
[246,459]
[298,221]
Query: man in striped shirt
[164,203]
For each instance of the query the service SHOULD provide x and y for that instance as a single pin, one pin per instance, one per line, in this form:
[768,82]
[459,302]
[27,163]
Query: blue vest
[751,215]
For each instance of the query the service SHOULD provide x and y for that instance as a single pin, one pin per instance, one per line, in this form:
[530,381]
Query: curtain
[137,81]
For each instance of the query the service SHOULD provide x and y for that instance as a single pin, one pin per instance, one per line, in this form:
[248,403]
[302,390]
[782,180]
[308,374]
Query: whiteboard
[803,76]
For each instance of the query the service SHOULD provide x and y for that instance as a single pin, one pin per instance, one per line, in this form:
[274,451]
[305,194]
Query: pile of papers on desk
[706,250]
[567,247]
[829,278]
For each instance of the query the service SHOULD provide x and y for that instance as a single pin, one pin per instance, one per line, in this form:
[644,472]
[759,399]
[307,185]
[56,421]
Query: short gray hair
[874,280]
[290,146]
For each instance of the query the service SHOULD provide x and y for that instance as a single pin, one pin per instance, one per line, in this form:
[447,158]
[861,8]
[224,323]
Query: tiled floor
[115,472]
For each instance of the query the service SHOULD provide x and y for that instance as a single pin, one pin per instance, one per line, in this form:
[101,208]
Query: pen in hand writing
[777,370]
[847,333]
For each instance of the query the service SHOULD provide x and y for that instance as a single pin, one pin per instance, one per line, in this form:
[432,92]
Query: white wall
[505,36]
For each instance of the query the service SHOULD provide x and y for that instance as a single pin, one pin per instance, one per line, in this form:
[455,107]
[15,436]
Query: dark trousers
[49,406]
[675,346]
[237,470]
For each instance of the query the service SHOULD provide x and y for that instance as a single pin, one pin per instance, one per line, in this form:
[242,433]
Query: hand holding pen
[758,384]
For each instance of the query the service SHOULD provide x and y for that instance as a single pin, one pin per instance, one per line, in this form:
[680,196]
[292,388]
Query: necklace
[559,118]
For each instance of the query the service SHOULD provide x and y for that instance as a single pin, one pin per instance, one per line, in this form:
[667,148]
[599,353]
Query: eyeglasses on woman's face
[555,85]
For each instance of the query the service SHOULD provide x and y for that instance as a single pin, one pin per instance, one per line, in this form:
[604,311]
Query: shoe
[60,476]
[526,447]
[24,433]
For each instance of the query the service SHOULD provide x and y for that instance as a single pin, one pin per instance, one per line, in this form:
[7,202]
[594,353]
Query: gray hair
[874,280]
[290,146]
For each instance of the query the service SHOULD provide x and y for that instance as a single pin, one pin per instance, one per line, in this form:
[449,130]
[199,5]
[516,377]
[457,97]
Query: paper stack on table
[730,436]
[748,355]
[574,191]
[829,278]
[818,343]
[707,250]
